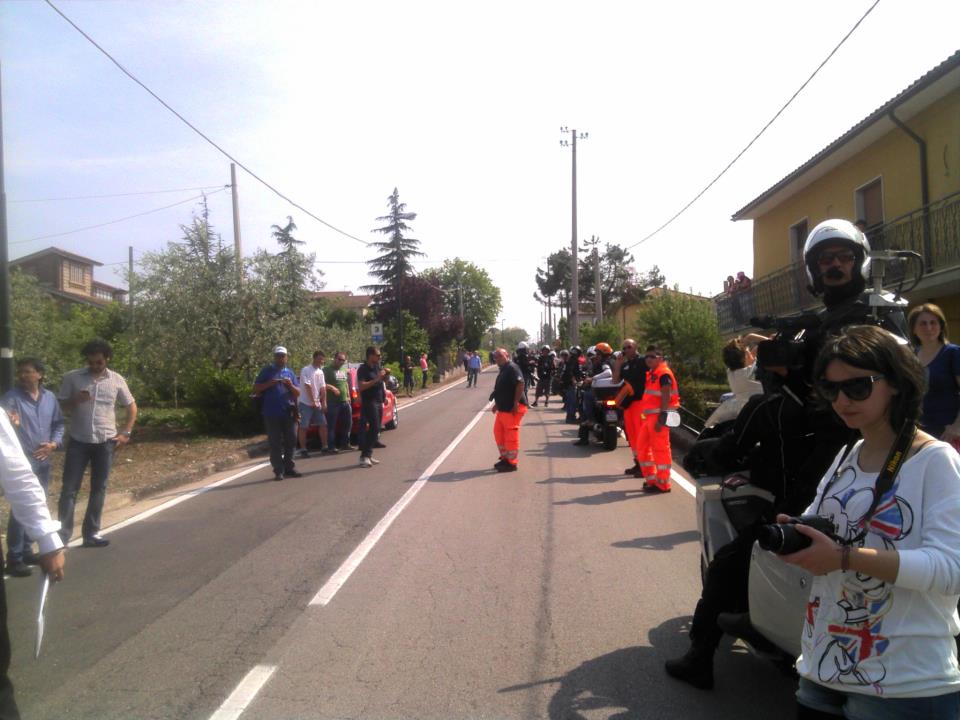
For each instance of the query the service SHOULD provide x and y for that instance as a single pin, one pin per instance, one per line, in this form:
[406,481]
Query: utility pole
[574,316]
[596,283]
[6,325]
[238,255]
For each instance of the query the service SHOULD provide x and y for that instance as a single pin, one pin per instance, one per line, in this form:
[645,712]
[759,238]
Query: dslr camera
[783,538]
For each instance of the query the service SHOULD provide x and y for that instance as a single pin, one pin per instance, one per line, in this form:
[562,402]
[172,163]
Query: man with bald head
[509,405]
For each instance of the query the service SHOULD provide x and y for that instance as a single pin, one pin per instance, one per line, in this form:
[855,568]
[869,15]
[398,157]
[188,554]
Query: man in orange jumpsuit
[509,405]
[645,415]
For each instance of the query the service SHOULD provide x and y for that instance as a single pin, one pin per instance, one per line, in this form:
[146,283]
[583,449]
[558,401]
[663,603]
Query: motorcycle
[607,423]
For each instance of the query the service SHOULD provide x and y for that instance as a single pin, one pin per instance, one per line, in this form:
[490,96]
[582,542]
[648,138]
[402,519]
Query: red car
[391,415]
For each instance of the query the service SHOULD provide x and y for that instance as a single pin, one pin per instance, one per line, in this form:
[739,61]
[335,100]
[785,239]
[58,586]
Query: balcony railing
[934,234]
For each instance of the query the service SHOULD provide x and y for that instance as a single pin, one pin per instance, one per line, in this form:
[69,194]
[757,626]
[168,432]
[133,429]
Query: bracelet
[845,558]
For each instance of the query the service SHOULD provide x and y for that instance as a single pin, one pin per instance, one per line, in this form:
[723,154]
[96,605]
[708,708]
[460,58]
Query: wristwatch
[125,433]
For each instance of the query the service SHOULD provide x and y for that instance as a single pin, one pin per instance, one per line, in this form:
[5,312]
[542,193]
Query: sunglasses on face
[651,357]
[855,388]
[844,256]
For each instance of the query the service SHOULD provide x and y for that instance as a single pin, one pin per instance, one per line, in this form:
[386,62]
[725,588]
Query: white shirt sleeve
[23,491]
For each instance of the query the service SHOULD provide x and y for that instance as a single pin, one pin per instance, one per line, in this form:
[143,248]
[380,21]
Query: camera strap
[888,473]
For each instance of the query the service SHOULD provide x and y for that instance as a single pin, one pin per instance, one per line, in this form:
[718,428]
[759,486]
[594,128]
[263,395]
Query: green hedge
[220,403]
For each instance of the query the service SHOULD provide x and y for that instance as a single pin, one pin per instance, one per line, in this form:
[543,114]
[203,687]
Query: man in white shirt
[29,504]
[313,402]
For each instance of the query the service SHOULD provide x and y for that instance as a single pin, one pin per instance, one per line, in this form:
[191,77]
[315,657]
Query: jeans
[370,416]
[339,420]
[586,406]
[282,436]
[570,403]
[100,458]
[855,706]
[17,541]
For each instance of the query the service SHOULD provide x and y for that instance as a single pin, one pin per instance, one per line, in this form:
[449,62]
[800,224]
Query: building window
[869,203]
[76,274]
[798,236]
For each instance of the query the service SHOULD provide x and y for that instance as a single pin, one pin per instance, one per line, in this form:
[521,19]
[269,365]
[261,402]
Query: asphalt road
[557,591]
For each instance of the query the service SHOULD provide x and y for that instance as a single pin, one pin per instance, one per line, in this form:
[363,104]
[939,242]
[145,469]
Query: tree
[414,336]
[393,264]
[685,327]
[470,289]
[507,338]
[284,236]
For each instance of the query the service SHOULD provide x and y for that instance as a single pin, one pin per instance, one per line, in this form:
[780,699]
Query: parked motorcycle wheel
[610,437]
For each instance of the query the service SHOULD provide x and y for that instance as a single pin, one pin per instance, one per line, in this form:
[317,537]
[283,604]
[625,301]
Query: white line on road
[175,501]
[450,386]
[344,572]
[244,693]
[683,482]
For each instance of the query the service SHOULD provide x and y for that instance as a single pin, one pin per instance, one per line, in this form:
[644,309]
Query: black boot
[695,667]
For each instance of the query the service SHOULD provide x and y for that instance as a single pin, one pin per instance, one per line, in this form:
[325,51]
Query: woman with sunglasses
[878,637]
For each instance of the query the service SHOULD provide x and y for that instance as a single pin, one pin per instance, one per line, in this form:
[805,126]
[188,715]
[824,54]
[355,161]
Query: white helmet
[832,232]
[591,351]
[522,345]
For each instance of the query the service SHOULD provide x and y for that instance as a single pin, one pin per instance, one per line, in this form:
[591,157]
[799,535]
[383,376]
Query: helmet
[545,347]
[554,354]
[832,232]
[521,345]
[604,348]
[576,350]
[564,353]
[591,351]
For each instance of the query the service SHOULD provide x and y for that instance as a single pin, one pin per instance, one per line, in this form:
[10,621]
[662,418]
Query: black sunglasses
[858,388]
[844,256]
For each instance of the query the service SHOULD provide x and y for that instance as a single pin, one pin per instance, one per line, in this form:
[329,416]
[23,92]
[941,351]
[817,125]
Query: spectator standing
[90,395]
[941,361]
[424,367]
[313,402]
[276,385]
[408,376]
[35,414]
[339,409]
[509,405]
[473,368]
[878,639]
[370,377]
[27,501]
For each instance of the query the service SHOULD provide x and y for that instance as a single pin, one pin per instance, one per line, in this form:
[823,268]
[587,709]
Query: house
[68,276]
[345,299]
[898,169]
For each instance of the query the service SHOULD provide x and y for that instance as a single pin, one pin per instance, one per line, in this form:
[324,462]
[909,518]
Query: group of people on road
[320,396]
[855,427]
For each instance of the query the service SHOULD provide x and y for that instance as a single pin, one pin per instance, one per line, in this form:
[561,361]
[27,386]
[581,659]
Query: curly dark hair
[97,346]
[871,348]
[735,354]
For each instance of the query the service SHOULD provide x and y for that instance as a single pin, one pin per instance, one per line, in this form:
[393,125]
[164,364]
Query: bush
[220,402]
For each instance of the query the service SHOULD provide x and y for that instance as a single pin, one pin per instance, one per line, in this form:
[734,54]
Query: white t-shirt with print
[864,635]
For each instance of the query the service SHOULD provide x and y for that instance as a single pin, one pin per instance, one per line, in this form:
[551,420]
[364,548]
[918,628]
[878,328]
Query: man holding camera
[276,385]
[370,377]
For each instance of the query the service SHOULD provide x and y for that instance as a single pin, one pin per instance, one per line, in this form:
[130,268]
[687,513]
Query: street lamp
[573,319]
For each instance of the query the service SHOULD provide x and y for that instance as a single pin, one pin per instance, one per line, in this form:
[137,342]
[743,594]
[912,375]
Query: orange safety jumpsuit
[651,447]
[506,432]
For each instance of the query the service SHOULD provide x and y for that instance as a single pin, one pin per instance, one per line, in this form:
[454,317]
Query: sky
[457,105]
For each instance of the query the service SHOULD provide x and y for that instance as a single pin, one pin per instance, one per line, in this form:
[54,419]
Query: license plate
[611,415]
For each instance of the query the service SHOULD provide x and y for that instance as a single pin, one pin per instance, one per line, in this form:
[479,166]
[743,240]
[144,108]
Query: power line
[114,222]
[198,131]
[116,195]
[762,131]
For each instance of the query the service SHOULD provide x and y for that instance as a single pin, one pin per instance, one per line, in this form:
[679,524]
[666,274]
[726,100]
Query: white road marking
[683,482]
[452,385]
[175,501]
[344,572]
[244,693]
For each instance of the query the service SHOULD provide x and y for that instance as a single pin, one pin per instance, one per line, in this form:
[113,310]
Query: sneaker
[366,462]
[19,569]
[303,454]
[373,460]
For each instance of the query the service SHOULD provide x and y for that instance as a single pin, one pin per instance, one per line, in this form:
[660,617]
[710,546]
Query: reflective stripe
[510,454]
[657,393]
[663,467]
[646,464]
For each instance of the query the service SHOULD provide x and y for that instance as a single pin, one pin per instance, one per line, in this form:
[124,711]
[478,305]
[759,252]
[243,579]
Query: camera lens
[782,539]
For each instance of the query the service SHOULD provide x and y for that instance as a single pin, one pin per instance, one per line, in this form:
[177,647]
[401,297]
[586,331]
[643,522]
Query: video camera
[786,348]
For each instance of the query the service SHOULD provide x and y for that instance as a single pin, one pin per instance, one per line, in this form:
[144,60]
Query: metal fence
[934,233]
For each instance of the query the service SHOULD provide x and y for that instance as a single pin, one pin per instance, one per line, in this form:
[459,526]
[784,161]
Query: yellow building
[899,171]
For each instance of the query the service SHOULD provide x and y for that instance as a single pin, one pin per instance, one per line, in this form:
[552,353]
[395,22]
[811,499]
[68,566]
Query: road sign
[376,332]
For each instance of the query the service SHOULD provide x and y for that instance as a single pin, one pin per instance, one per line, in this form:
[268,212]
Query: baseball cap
[279,350]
